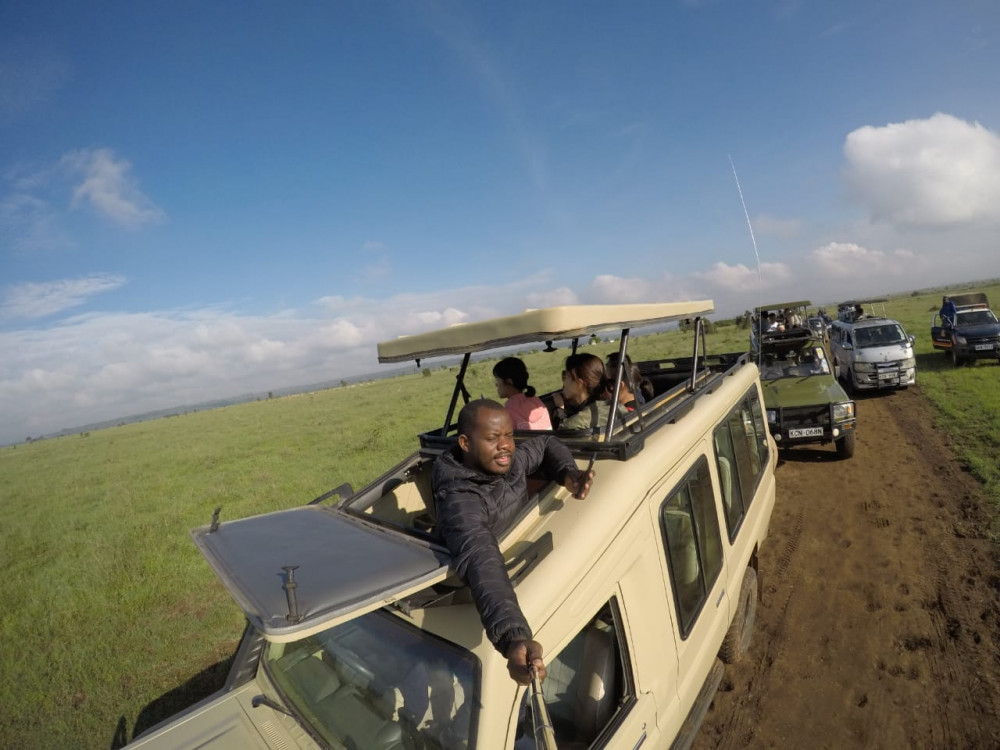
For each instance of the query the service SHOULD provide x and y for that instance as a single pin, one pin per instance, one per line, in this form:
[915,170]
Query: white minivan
[872,353]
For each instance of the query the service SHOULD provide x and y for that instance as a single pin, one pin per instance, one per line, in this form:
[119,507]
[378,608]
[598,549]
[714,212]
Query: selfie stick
[545,737]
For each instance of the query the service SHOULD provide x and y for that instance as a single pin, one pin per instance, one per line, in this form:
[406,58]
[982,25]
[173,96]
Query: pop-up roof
[533,326]
[345,566]
[779,306]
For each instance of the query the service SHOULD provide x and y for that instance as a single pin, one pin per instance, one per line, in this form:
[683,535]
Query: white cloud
[847,260]
[109,188]
[941,171]
[30,225]
[36,300]
[560,297]
[95,367]
[740,277]
[611,289]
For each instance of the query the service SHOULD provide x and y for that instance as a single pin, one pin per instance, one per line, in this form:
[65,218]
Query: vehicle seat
[726,482]
[581,686]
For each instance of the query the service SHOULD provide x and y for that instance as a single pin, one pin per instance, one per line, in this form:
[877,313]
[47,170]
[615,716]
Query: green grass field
[111,618]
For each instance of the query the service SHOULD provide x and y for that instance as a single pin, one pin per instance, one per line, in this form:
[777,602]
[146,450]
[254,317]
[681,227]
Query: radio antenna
[753,241]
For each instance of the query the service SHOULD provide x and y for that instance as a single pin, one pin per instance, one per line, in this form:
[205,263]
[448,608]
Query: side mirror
[847,345]
[911,338]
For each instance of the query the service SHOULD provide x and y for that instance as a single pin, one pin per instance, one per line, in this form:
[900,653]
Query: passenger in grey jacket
[479,488]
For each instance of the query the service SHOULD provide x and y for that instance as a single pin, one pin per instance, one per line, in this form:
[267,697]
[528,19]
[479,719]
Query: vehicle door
[844,357]
[591,692]
[939,334]
[686,512]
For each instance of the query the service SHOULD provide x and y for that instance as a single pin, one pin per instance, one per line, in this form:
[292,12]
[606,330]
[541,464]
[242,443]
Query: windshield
[883,335]
[975,318]
[378,682]
[795,364]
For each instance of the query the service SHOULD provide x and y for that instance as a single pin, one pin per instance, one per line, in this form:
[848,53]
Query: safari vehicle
[804,402]
[973,334]
[872,352]
[779,317]
[359,635]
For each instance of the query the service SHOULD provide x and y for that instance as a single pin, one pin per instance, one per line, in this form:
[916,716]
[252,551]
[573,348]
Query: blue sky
[199,200]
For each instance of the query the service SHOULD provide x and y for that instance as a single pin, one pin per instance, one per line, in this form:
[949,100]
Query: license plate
[886,375]
[983,347]
[806,432]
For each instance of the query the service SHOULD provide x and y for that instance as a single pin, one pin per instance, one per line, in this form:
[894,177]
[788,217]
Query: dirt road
[880,620]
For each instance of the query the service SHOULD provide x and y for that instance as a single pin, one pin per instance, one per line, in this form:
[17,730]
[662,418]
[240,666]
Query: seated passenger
[773,325]
[526,410]
[635,389]
[580,403]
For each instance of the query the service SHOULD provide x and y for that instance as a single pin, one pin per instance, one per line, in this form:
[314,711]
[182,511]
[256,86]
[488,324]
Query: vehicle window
[729,484]
[883,335]
[589,685]
[760,426]
[376,680]
[690,527]
[975,317]
[740,454]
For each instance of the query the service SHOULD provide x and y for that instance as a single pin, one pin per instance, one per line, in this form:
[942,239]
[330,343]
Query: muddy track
[879,625]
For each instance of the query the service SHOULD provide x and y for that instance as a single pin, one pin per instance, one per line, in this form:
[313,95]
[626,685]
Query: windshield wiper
[263,700]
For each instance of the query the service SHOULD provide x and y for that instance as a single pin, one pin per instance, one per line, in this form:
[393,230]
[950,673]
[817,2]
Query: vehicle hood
[889,353]
[802,391]
[980,329]
[226,721]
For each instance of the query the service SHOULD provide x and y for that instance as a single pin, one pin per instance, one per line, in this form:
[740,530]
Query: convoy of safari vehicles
[804,402]
[359,635]
[871,351]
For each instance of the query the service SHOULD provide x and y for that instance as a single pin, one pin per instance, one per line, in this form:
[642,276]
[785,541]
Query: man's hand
[521,655]
[578,482]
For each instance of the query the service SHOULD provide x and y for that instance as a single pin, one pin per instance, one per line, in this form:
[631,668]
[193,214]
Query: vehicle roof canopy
[968,300]
[532,326]
[778,306]
[855,302]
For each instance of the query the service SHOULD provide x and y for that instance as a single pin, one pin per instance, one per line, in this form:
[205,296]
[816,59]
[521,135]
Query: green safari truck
[804,402]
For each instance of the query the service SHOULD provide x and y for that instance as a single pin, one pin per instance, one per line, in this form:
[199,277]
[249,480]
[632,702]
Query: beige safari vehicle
[359,636]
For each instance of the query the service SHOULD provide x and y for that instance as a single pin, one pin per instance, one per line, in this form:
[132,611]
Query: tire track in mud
[880,619]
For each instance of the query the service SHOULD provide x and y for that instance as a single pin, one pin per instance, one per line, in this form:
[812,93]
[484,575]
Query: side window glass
[729,484]
[738,460]
[690,526]
[760,426]
[589,685]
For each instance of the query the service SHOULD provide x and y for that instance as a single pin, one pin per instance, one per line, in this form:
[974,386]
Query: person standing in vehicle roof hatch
[948,310]
[480,487]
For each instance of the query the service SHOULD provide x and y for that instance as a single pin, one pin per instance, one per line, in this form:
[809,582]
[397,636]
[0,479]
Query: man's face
[490,446]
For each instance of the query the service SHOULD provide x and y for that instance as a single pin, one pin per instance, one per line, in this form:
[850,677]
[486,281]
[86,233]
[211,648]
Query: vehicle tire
[737,639]
[849,383]
[845,446]
[955,359]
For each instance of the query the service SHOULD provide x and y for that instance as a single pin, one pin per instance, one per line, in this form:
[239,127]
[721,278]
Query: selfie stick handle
[545,737]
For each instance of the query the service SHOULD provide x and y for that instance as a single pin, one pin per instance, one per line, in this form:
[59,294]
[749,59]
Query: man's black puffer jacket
[473,509]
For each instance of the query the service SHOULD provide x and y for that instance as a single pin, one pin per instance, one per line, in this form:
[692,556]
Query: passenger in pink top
[526,410]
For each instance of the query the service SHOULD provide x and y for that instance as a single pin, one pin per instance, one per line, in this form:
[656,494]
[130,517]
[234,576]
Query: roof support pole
[459,388]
